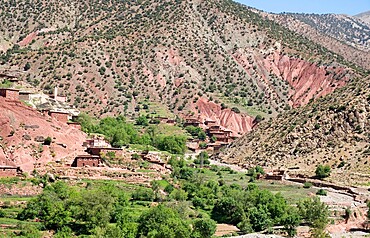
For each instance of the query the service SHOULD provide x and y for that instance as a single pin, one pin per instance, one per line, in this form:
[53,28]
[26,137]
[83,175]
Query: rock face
[308,80]
[238,123]
[20,126]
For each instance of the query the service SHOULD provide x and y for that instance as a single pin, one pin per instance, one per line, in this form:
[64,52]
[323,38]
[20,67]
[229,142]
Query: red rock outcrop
[238,123]
[307,79]
[22,130]
[28,39]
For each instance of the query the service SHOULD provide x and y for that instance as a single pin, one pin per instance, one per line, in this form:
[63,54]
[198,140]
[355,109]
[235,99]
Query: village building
[75,125]
[98,151]
[9,171]
[87,160]
[60,116]
[275,175]
[96,142]
[192,122]
[25,95]
[8,93]
[57,97]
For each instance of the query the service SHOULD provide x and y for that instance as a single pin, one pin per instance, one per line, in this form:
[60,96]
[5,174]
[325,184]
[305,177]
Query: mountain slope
[365,16]
[108,57]
[353,51]
[334,130]
[341,27]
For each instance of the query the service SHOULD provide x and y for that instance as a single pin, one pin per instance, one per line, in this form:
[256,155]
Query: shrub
[48,140]
[307,185]
[321,192]
[322,171]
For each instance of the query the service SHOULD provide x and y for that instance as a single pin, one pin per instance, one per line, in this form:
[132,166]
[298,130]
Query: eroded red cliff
[22,130]
[236,122]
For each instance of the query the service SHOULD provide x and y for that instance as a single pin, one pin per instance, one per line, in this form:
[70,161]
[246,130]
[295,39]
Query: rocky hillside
[365,16]
[351,51]
[334,130]
[341,27]
[109,56]
[23,131]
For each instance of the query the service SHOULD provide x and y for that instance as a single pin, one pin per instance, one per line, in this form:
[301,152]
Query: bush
[48,141]
[307,185]
[321,192]
[322,171]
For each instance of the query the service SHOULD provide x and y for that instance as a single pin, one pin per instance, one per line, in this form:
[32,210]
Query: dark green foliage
[290,220]
[307,185]
[142,121]
[321,192]
[204,228]
[120,133]
[202,159]
[322,171]
[48,140]
[227,210]
[196,132]
[61,206]
[314,212]
[161,221]
[175,144]
[143,194]
[27,66]
[235,109]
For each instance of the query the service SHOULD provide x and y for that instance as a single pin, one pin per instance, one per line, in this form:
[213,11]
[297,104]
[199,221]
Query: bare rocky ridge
[22,133]
[365,16]
[334,130]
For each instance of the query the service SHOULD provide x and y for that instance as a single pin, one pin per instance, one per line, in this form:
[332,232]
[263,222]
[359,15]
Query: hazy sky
[350,7]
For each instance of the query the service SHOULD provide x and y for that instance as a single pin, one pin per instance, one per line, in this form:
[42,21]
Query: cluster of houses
[52,105]
[97,150]
[221,136]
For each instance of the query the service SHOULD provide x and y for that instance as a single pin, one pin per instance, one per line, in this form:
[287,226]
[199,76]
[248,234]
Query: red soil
[238,123]
[19,127]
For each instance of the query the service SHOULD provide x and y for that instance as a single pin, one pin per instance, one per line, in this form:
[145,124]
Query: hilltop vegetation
[107,56]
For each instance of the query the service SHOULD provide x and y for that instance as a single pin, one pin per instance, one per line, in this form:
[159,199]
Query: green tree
[142,121]
[204,228]
[95,208]
[314,212]
[227,210]
[290,220]
[162,222]
[202,159]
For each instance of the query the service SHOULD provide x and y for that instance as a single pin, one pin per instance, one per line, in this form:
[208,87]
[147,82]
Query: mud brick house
[166,120]
[97,142]
[60,116]
[192,122]
[75,125]
[98,151]
[87,160]
[9,171]
[215,147]
[210,122]
[221,134]
[8,93]
[275,175]
[24,95]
